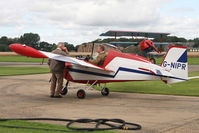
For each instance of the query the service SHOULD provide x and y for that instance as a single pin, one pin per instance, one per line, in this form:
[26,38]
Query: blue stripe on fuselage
[120,69]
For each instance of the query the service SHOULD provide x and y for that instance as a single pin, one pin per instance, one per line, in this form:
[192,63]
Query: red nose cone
[26,51]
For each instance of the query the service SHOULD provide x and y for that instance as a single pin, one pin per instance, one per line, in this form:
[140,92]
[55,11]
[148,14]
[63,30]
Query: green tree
[30,39]
[45,46]
[54,46]
[4,48]
[70,47]
[171,39]
[196,42]
[4,40]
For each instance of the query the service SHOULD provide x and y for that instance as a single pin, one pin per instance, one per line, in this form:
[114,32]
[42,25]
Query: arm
[65,50]
[96,61]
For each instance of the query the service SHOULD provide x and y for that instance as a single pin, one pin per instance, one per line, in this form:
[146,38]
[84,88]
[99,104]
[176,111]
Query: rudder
[175,61]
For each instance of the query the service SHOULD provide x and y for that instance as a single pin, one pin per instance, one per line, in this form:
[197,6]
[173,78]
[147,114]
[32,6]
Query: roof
[134,33]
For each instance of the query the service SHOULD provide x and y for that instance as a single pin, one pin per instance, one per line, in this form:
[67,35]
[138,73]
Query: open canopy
[134,33]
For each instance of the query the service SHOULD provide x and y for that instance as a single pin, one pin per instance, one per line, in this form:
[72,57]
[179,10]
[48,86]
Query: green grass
[8,71]
[188,88]
[191,60]
[34,125]
[20,59]
[159,60]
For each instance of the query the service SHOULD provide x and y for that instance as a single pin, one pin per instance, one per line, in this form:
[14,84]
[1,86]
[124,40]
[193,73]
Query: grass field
[35,125]
[191,60]
[8,71]
[188,88]
[20,59]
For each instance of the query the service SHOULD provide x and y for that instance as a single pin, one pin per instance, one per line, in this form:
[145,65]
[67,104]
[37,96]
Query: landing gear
[81,94]
[64,91]
[105,91]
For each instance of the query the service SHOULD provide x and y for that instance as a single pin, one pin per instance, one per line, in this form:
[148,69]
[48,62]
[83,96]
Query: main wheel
[64,91]
[81,94]
[105,91]
[153,60]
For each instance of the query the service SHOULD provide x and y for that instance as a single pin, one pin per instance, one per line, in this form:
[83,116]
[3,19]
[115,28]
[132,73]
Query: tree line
[33,40]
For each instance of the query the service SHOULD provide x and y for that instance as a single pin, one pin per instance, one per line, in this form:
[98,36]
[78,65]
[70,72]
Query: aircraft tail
[175,61]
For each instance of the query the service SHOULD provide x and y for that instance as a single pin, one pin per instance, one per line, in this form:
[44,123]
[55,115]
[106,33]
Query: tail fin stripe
[183,57]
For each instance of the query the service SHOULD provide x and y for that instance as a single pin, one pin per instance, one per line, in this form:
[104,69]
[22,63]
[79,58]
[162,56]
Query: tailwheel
[81,94]
[64,91]
[105,91]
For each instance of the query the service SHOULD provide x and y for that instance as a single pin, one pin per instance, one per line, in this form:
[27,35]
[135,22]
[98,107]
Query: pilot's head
[61,45]
[100,48]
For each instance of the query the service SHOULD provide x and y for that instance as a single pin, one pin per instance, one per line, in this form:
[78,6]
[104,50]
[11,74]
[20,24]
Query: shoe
[51,96]
[59,96]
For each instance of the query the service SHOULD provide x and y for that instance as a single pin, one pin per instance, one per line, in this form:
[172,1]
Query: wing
[134,33]
[31,52]
[70,60]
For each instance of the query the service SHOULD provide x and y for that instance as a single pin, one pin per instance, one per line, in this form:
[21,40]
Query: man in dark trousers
[57,69]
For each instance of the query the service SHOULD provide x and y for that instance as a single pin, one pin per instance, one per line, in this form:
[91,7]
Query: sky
[79,21]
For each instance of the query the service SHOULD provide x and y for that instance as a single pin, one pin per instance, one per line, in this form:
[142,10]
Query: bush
[4,48]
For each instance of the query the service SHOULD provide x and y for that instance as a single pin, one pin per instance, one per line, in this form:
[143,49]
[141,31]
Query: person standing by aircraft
[101,56]
[57,70]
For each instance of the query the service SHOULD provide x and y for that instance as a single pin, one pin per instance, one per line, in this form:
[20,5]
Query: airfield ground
[27,96]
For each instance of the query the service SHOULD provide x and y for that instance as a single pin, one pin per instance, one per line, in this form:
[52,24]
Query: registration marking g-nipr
[175,65]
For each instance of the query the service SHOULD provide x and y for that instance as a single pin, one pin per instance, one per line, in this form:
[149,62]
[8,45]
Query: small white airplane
[118,67]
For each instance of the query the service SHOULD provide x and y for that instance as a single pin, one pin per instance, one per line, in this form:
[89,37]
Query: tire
[64,91]
[153,60]
[81,94]
[105,91]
